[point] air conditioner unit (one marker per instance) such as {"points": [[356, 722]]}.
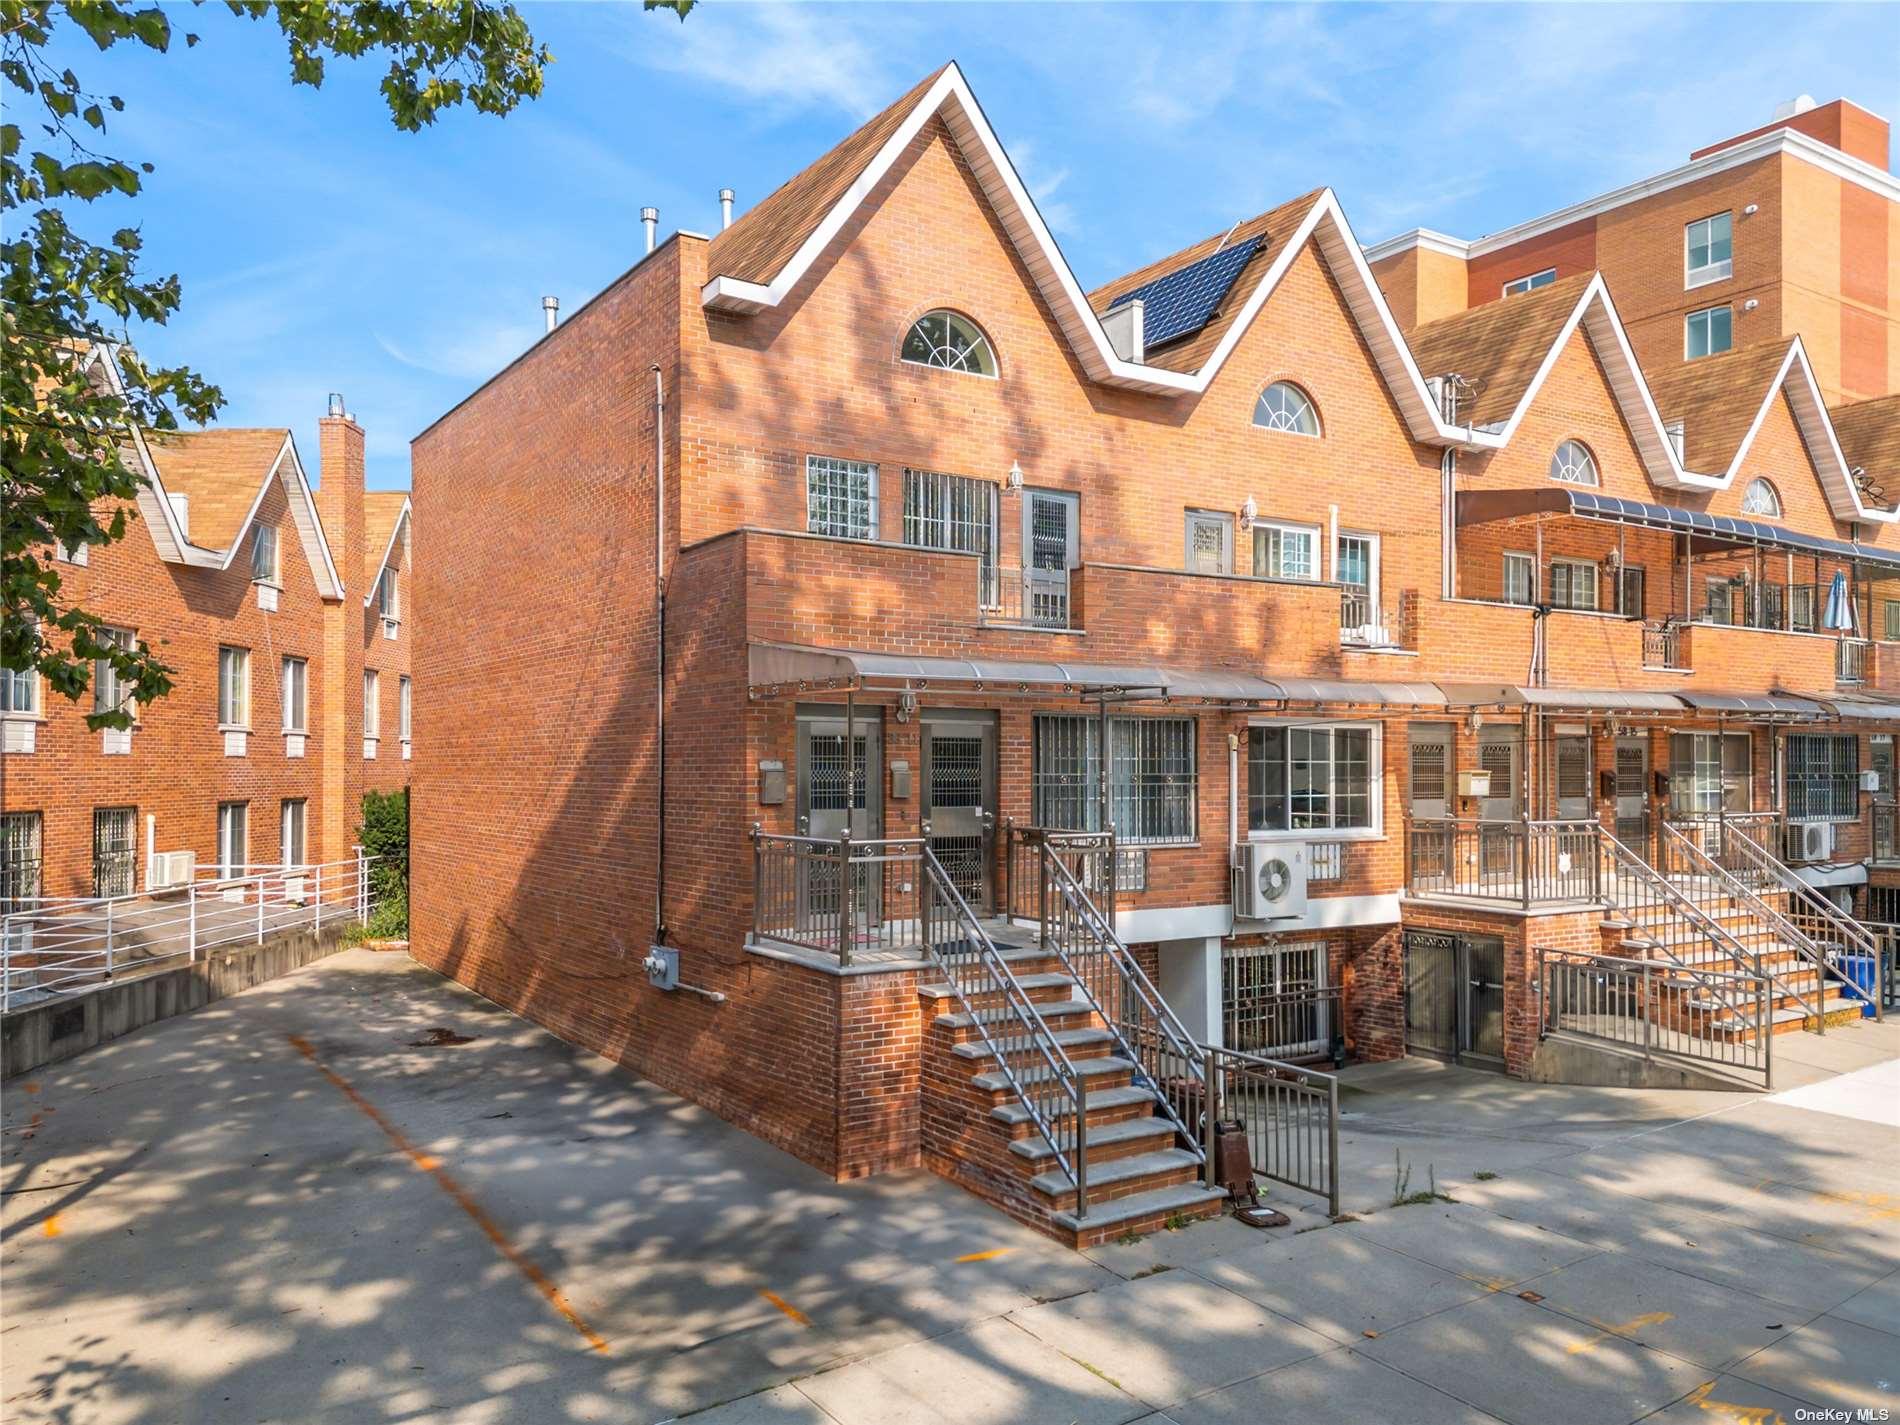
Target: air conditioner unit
{"points": [[1870, 781], [1810, 840], [171, 868], [1270, 880]]}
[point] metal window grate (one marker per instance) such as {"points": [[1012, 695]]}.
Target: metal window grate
{"points": [[951, 512], [1328, 861], [114, 847], [840, 497], [19, 859], [827, 773], [1153, 777], [956, 771], [1272, 998], [1823, 776]]}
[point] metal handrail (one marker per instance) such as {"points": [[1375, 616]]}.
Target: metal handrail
{"points": [[1852, 933]]}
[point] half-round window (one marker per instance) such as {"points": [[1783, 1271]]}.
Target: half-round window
{"points": [[1760, 499], [1573, 464], [1284, 406], [950, 341]]}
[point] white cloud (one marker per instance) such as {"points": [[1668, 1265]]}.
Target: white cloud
{"points": [[473, 353], [784, 57], [1042, 184]]}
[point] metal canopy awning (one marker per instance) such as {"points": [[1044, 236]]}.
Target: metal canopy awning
{"points": [[1508, 695], [1778, 703], [1706, 531], [1863, 707], [790, 667]]}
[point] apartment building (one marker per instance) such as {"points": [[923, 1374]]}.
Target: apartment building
{"points": [[945, 706], [250, 585], [1789, 230]]}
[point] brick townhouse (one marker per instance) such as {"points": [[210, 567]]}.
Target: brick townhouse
{"points": [[938, 702], [251, 586]]}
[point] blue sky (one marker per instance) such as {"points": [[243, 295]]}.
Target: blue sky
{"points": [[322, 250]]}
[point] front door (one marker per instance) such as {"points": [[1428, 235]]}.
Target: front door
{"points": [[1051, 548], [834, 796], [1570, 757], [959, 801], [1632, 794], [1499, 753], [1454, 997]]}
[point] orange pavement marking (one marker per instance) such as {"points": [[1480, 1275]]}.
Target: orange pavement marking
{"points": [[785, 1306], [1607, 1329], [427, 1164], [52, 1226], [985, 1256], [1751, 1414]]}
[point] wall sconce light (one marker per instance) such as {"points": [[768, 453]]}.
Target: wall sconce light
{"points": [[1751, 304], [1751, 210], [1013, 482], [1474, 722], [1249, 512]]}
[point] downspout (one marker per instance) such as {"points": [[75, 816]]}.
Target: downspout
{"points": [[659, 662], [1448, 539]]}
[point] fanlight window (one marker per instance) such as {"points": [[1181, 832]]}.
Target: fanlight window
{"points": [[1573, 464], [950, 341], [1760, 499], [1284, 406]]}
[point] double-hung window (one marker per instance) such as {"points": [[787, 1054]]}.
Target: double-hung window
{"points": [[1573, 584], [1707, 250], [957, 512], [20, 690], [1152, 776], [291, 826], [109, 693], [402, 706], [1708, 332], [234, 838], [1311, 778], [264, 552], [296, 701], [372, 699], [840, 497], [1520, 579], [1285, 551], [1823, 776], [234, 687]]}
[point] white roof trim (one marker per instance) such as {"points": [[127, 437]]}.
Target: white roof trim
{"points": [[395, 532], [1776, 141], [288, 467]]}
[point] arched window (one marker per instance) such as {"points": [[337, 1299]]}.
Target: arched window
{"points": [[1760, 499], [1573, 464], [950, 341], [1284, 406]]}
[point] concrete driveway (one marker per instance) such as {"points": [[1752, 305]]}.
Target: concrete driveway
{"points": [[290, 1207]]}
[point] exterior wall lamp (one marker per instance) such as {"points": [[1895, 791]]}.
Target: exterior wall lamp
{"points": [[1249, 512]]}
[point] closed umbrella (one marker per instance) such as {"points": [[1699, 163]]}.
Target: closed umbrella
{"points": [[1840, 611]]}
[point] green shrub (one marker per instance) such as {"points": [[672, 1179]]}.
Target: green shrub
{"points": [[384, 836]]}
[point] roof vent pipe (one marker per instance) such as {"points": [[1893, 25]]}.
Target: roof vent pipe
{"points": [[651, 217], [551, 309], [336, 403], [726, 195]]}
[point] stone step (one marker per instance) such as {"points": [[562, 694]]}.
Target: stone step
{"points": [[1067, 1038], [1182, 1197], [1051, 981], [1100, 1135], [1055, 1183], [1103, 1099], [1039, 1072], [1048, 1009]]}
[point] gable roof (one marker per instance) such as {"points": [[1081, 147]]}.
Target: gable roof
{"points": [[1869, 436], [1498, 346], [1718, 399], [385, 513], [220, 472]]}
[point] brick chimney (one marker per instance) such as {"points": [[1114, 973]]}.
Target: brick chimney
{"points": [[340, 506]]}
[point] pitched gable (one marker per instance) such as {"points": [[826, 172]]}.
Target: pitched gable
{"points": [[1499, 347]]}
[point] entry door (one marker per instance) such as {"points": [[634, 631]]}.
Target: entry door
{"points": [[1482, 1004], [1432, 771], [1051, 548], [1500, 754], [1632, 794], [1570, 757], [1454, 996], [959, 800], [831, 799]]}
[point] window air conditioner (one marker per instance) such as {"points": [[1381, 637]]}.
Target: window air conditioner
{"points": [[1270, 880], [1810, 840], [171, 868]]}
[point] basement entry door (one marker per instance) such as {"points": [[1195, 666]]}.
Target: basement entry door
{"points": [[1454, 997]]}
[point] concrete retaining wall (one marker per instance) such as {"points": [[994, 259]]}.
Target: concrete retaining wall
{"points": [[1560, 1059], [59, 1028]]}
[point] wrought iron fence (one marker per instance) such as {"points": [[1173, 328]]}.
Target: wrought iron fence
{"points": [[1038, 598], [844, 896], [1850, 661], [1724, 1018], [1520, 862], [1290, 1115], [1297, 1023]]}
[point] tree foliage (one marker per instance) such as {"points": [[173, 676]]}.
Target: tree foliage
{"points": [[70, 298]]}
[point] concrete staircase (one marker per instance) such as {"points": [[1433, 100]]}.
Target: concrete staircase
{"points": [[977, 1132]]}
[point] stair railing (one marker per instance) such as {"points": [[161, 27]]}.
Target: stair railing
{"points": [[1147, 1032], [1030, 1058], [1851, 936], [1633, 884]]}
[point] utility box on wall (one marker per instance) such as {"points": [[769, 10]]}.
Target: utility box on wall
{"points": [[900, 780], [771, 783]]}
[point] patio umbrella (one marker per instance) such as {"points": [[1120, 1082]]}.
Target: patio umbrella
{"points": [[1840, 612]]}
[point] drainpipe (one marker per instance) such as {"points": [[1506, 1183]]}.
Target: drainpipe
{"points": [[659, 664], [1448, 538]]}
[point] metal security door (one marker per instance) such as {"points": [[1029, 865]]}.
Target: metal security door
{"points": [[1571, 760], [1051, 548], [832, 799], [959, 799], [1482, 1032], [1499, 848], [1431, 993], [1632, 794]]}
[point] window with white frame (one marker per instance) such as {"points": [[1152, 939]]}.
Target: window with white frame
{"points": [[1520, 579], [1760, 499], [840, 497], [1573, 584], [1152, 776], [264, 553], [1520, 285], [402, 706], [372, 699], [1285, 551], [1356, 566], [19, 691], [1823, 772], [1708, 332], [295, 694], [1285, 407], [956, 512], [234, 838], [1210, 542], [1311, 778], [1707, 250], [292, 817], [951, 341], [1573, 464], [19, 859], [234, 687], [109, 693], [75, 553], [388, 595]]}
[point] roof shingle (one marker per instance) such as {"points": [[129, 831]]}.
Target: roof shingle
{"points": [[1498, 346], [1716, 398], [1869, 433], [219, 472]]}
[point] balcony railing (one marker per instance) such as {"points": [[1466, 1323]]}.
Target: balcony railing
{"points": [[1850, 661], [1662, 645], [1520, 863], [838, 895], [1789, 608], [1025, 598]]}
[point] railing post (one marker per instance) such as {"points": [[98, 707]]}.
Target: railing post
{"points": [[926, 892], [847, 895], [1524, 860], [1009, 867], [1042, 891], [191, 921], [1332, 1144], [1209, 1084], [1649, 1026], [260, 909], [108, 940], [1081, 1147], [758, 879], [362, 885], [316, 900]]}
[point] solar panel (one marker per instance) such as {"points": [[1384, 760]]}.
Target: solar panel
{"points": [[1185, 300]]}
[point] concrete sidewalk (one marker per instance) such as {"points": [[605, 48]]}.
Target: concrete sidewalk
{"points": [[289, 1207]]}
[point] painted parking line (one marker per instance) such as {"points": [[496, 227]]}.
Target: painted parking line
{"points": [[458, 1194], [785, 1306]]}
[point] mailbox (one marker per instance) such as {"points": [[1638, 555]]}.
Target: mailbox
{"points": [[900, 780], [771, 783], [1474, 784]]}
